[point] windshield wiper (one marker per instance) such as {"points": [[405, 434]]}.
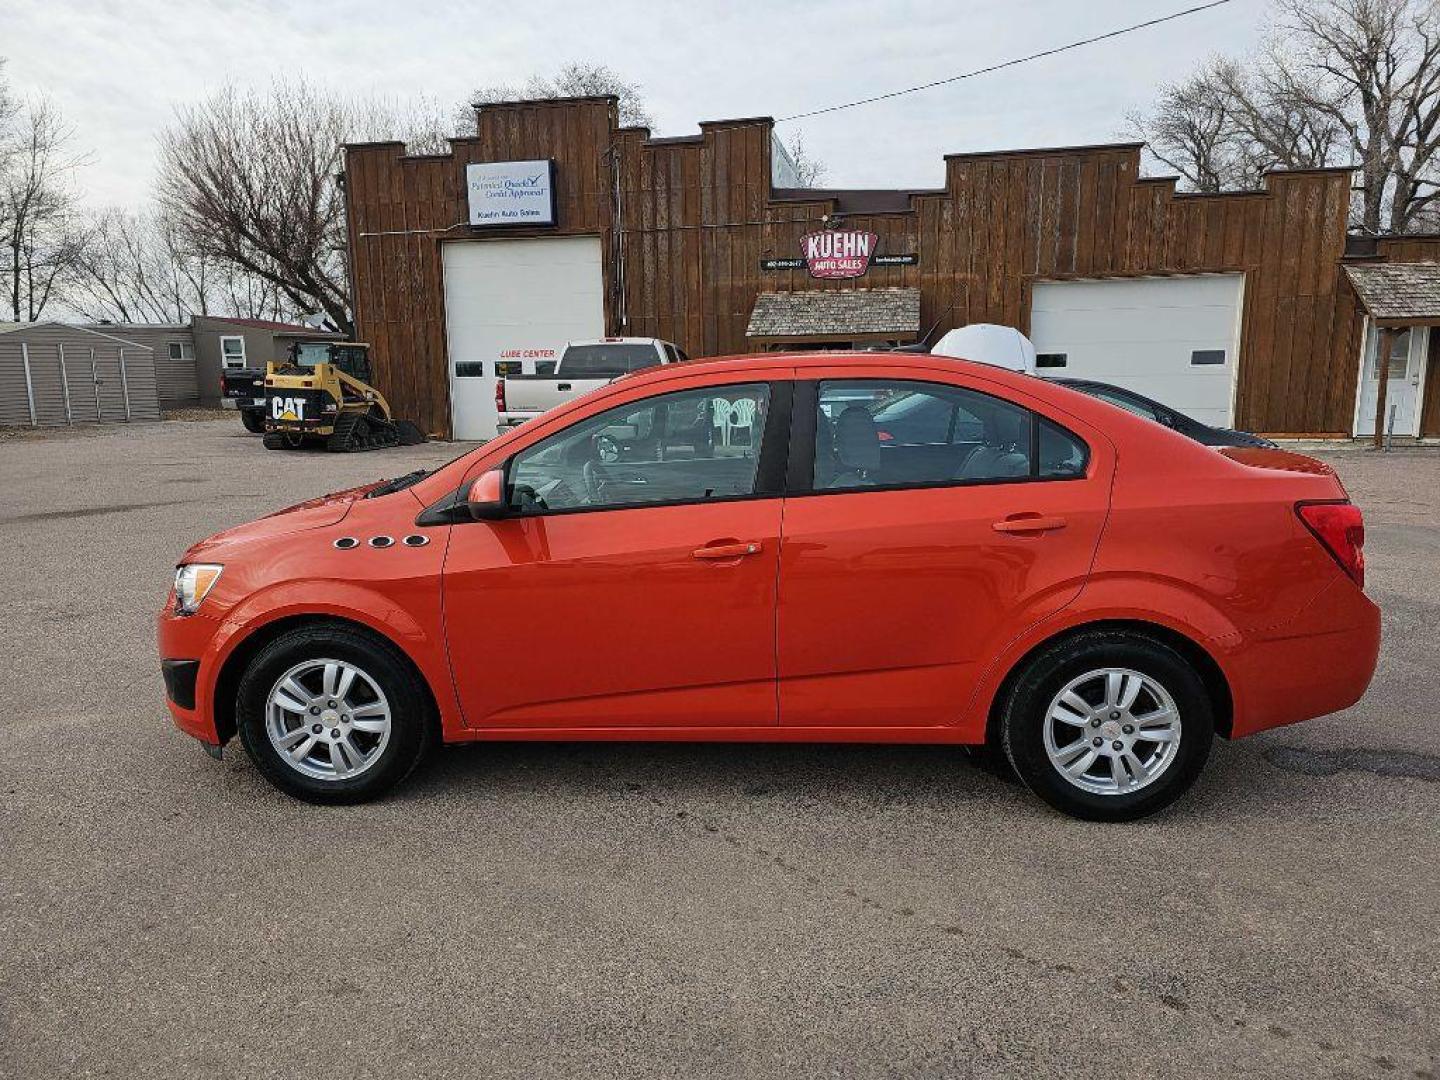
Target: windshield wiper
{"points": [[400, 483]]}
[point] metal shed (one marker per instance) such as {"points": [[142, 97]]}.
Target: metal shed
{"points": [[53, 374]]}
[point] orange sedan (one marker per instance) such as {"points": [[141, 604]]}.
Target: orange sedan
{"points": [[816, 548]]}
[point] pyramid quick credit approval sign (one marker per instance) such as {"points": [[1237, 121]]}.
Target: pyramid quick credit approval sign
{"points": [[511, 192]]}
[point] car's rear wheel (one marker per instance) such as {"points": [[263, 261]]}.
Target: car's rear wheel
{"points": [[332, 715], [254, 420], [1108, 725]]}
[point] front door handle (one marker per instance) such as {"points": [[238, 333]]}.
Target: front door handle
{"points": [[727, 550], [1025, 523]]}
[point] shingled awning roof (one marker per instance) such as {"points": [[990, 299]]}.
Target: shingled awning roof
{"points": [[836, 314], [1398, 294]]}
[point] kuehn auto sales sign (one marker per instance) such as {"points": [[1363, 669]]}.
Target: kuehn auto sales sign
{"points": [[511, 192], [838, 253]]}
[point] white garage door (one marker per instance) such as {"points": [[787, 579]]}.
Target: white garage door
{"points": [[1172, 339], [510, 305]]}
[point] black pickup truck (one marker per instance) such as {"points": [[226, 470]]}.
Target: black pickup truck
{"points": [[244, 389]]}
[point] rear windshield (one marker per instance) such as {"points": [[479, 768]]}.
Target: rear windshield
{"points": [[607, 359]]}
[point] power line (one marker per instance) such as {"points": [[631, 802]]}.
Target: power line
{"points": [[1004, 64]]}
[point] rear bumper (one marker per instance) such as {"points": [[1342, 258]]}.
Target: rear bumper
{"points": [[1320, 663]]}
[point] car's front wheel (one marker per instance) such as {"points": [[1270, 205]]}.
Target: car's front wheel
{"points": [[332, 715], [1108, 725]]}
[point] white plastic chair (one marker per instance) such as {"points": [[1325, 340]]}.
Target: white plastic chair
{"points": [[742, 415], [722, 411]]}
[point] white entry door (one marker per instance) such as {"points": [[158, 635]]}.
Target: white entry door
{"points": [[1402, 396], [1173, 339], [510, 307]]}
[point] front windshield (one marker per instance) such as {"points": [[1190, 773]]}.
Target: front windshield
{"points": [[310, 353]]}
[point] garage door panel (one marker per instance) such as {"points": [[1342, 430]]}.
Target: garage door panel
{"points": [[520, 300], [1136, 324], [1141, 333]]}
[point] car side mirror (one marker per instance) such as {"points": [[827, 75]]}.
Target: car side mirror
{"points": [[485, 498]]}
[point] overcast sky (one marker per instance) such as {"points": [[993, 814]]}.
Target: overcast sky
{"points": [[118, 68]]}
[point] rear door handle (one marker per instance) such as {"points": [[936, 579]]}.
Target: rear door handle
{"points": [[727, 551], [562, 386], [1031, 523]]}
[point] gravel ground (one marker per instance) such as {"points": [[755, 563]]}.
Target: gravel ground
{"points": [[664, 910]]}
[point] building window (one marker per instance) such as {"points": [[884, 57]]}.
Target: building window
{"points": [[1050, 359], [232, 352], [182, 350], [1208, 356]]}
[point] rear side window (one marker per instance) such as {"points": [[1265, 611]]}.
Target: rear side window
{"points": [[901, 433], [1061, 454]]}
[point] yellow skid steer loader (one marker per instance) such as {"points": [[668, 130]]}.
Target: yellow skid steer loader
{"points": [[322, 394]]}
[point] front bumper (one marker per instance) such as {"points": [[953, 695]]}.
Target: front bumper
{"points": [[180, 677], [181, 638]]}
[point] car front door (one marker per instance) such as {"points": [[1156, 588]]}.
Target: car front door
{"points": [[930, 524], [632, 584]]}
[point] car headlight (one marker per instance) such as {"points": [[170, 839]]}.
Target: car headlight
{"points": [[192, 582]]}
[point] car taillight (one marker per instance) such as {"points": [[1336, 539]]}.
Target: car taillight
{"points": [[499, 395], [1341, 528]]}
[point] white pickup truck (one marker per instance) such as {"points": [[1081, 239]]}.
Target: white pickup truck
{"points": [[584, 366]]}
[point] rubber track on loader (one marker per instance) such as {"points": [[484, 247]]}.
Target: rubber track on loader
{"points": [[355, 432]]}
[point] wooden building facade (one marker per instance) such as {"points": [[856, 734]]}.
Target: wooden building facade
{"points": [[690, 231]]}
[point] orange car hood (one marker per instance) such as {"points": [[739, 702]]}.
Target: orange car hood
{"points": [[311, 514]]}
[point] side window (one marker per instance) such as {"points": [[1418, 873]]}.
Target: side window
{"points": [[688, 446], [884, 433], [1128, 404], [1061, 454]]}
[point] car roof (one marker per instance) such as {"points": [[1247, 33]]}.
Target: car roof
{"points": [[618, 341]]}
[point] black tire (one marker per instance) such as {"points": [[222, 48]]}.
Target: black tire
{"points": [[254, 421], [411, 724], [410, 435], [1026, 714]]}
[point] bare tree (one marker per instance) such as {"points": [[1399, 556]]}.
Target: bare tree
{"points": [[250, 180], [1335, 82], [577, 79], [138, 268], [41, 232], [810, 170]]}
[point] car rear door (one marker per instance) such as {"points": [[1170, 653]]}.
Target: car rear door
{"points": [[634, 585], [909, 560]]}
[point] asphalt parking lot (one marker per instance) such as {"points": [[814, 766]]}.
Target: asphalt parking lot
{"points": [[668, 910]]}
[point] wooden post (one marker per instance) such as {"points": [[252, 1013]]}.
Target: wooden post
{"points": [[1382, 372]]}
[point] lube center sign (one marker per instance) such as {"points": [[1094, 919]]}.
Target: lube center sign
{"points": [[511, 192]]}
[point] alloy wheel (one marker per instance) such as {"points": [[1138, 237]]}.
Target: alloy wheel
{"points": [[1112, 731], [328, 719]]}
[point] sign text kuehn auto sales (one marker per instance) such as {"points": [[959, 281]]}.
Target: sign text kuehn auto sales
{"points": [[838, 253]]}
